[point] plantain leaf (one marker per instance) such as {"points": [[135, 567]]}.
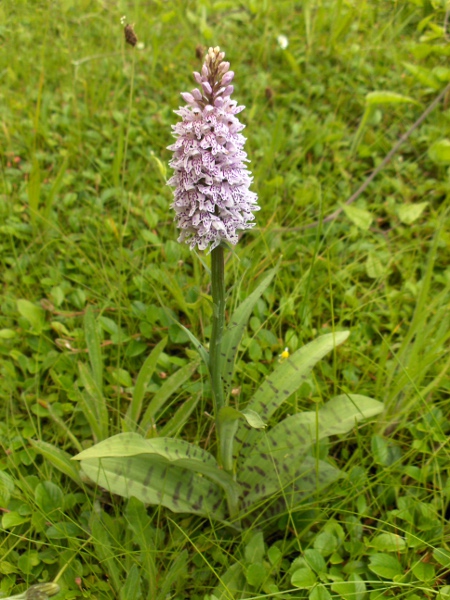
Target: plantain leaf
{"points": [[233, 334], [142, 381], [174, 473], [276, 460], [283, 382]]}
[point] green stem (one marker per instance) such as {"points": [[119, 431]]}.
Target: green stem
{"points": [[218, 323]]}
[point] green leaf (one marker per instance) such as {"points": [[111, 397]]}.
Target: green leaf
{"points": [[34, 189], [144, 536], [424, 571], [179, 419], [255, 549], [12, 519], [105, 548], [94, 402], [303, 578], [374, 267], [439, 153], [275, 459], [315, 560], [291, 373], [48, 496], [6, 488], [385, 566], [442, 556], [132, 588], [238, 322], [326, 543], [320, 592], [358, 216], [197, 345], [143, 379], [41, 591], [64, 531], [7, 334], [282, 383], [408, 213], [34, 314], [444, 593], [253, 419], [424, 76], [380, 450], [171, 385], [296, 480], [388, 98], [353, 589], [256, 574], [174, 575], [93, 345], [231, 583], [166, 471], [387, 542], [59, 459], [56, 186]]}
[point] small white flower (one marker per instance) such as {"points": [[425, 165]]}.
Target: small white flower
{"points": [[283, 42], [123, 20], [140, 45]]}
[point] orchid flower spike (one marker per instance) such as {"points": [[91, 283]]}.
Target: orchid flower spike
{"points": [[212, 199]]}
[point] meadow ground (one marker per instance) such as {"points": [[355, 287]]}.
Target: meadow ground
{"points": [[85, 221]]}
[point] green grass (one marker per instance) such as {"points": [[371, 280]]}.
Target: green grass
{"points": [[85, 221]]}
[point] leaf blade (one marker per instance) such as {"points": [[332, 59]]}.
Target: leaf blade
{"points": [[145, 374], [236, 327], [93, 345]]}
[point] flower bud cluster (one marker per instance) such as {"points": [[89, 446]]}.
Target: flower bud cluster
{"points": [[212, 199]]}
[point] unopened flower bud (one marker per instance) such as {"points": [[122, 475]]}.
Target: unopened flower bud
{"points": [[227, 78]]}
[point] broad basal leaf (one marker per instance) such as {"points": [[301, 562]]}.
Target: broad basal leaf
{"points": [[283, 382], [276, 460], [166, 471], [291, 373], [153, 480], [296, 480]]}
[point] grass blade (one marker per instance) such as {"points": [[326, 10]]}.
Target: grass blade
{"points": [[59, 459], [179, 419], [143, 379], [169, 387], [93, 346], [238, 322], [93, 399], [34, 190], [55, 189]]}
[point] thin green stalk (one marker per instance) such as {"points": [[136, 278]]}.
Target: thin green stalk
{"points": [[218, 323]]}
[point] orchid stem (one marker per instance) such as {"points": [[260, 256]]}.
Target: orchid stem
{"points": [[218, 323]]}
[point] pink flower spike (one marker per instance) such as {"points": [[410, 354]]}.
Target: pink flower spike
{"points": [[212, 197]]}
